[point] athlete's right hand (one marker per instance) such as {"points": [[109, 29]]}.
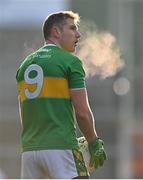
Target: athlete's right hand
{"points": [[97, 153]]}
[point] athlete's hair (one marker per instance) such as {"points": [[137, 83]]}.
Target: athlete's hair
{"points": [[58, 19]]}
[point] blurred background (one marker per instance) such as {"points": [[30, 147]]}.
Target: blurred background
{"points": [[116, 101]]}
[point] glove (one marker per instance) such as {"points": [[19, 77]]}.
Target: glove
{"points": [[97, 153]]}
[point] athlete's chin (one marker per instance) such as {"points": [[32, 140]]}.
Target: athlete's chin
{"points": [[71, 49]]}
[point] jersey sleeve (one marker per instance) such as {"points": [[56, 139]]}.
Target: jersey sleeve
{"points": [[17, 74], [76, 75]]}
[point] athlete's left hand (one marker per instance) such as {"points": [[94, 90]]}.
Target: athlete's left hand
{"points": [[97, 152]]}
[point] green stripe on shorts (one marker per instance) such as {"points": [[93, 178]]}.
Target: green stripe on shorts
{"points": [[80, 164]]}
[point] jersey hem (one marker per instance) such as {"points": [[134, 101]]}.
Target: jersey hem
{"points": [[24, 149], [77, 88]]}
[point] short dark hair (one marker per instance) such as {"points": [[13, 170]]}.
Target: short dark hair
{"points": [[58, 19]]}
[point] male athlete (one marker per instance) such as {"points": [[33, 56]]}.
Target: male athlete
{"points": [[52, 96]]}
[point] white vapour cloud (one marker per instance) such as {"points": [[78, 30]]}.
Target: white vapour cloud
{"points": [[99, 51]]}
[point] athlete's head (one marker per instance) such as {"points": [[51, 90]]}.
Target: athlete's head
{"points": [[62, 29]]}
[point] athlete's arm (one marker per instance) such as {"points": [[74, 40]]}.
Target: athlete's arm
{"points": [[83, 112], [86, 124]]}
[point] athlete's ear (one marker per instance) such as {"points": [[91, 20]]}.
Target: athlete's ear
{"points": [[56, 31]]}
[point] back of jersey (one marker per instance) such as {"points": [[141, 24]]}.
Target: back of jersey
{"points": [[46, 110]]}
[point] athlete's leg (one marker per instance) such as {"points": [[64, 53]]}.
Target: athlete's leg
{"points": [[29, 166], [62, 164]]}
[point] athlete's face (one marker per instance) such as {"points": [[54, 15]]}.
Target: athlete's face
{"points": [[69, 35]]}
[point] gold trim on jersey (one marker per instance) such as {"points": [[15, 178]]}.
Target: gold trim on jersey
{"points": [[52, 87]]}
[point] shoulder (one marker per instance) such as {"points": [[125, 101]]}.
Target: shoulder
{"points": [[69, 57], [28, 59], [23, 65]]}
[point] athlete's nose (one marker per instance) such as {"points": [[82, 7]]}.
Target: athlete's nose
{"points": [[78, 34]]}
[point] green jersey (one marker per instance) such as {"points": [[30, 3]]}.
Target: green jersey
{"points": [[44, 80]]}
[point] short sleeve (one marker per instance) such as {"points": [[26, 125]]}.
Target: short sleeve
{"points": [[76, 75], [17, 74]]}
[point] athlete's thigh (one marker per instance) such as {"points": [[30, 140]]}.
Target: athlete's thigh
{"points": [[63, 164], [29, 166]]}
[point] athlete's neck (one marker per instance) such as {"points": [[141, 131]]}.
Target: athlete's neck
{"points": [[50, 41]]}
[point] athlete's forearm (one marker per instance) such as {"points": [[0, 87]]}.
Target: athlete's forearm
{"points": [[87, 126]]}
